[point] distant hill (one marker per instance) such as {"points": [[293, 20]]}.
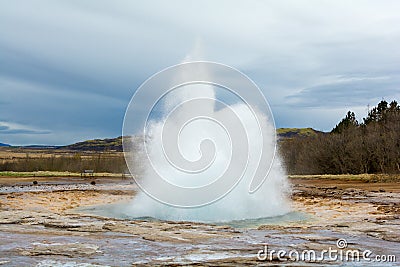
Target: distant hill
{"points": [[1, 144], [284, 133], [39, 146], [97, 145], [115, 144]]}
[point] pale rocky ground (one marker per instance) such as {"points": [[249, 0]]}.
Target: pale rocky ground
{"points": [[41, 226]]}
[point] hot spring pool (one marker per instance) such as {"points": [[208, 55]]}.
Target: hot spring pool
{"points": [[117, 211]]}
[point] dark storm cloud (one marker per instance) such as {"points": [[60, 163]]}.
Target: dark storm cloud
{"points": [[69, 68], [358, 91]]}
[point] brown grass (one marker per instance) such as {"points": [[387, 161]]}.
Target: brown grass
{"points": [[368, 178], [34, 160]]}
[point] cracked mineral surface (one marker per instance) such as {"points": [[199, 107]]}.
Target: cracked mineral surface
{"points": [[52, 225]]}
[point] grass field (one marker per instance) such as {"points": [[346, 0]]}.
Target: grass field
{"points": [[58, 160], [368, 178], [58, 174]]}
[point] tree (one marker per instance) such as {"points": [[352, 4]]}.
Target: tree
{"points": [[369, 147], [347, 122], [377, 114]]}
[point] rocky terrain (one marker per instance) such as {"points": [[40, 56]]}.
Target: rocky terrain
{"points": [[44, 225]]}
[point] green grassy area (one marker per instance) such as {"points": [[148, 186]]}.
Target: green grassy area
{"points": [[373, 178], [55, 174], [296, 132], [367, 178]]}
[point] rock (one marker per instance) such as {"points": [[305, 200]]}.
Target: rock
{"points": [[63, 249], [169, 231], [341, 225], [15, 217]]}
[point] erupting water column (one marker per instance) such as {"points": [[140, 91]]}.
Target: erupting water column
{"points": [[200, 140]]}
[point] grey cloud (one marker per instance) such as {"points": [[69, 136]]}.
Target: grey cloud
{"points": [[12, 128], [23, 131], [357, 91], [72, 66]]}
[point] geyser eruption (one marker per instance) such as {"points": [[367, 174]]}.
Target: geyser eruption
{"points": [[207, 147]]}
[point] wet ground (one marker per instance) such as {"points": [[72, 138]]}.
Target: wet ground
{"points": [[57, 223]]}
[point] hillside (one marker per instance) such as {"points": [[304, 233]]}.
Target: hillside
{"points": [[109, 144], [1, 144], [296, 132], [115, 144]]}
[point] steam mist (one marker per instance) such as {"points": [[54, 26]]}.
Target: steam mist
{"points": [[238, 204]]}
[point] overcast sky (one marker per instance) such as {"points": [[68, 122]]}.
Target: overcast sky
{"points": [[69, 68]]}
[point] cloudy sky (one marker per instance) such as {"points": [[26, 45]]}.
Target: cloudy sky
{"points": [[69, 68]]}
